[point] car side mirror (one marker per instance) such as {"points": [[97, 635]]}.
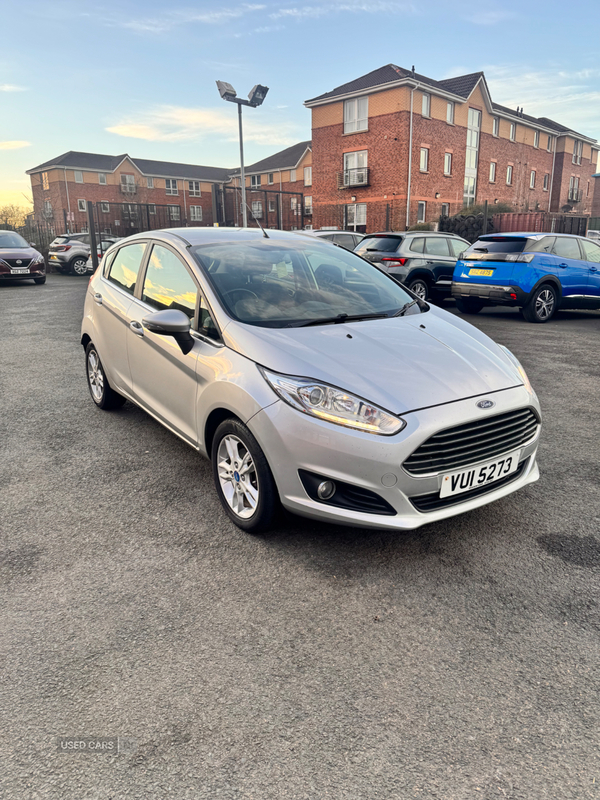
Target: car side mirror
{"points": [[32, 244], [171, 322]]}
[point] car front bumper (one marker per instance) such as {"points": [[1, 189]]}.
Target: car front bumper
{"points": [[294, 441], [493, 295], [37, 271]]}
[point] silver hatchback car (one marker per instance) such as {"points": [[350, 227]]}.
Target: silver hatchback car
{"points": [[310, 378]]}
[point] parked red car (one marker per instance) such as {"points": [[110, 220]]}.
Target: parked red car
{"points": [[20, 260]]}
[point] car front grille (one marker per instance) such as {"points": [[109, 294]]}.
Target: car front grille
{"points": [[12, 262], [475, 441]]}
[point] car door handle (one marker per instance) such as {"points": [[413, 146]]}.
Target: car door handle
{"points": [[98, 298], [136, 327], [563, 266], [593, 269]]}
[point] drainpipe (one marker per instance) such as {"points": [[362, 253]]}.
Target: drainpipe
{"points": [[184, 201], [68, 201], [552, 175], [410, 149]]}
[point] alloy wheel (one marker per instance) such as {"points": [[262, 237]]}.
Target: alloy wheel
{"points": [[420, 289], [544, 304], [237, 476], [95, 376], [80, 266]]}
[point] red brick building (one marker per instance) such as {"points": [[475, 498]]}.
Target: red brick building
{"points": [[393, 148]]}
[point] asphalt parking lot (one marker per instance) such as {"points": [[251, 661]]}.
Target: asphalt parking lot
{"points": [[457, 661]]}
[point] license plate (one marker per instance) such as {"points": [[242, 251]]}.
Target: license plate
{"points": [[486, 272], [475, 477], [23, 271]]}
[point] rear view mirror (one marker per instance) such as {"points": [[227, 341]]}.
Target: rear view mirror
{"points": [[171, 322]]}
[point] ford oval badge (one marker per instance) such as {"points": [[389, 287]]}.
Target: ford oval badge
{"points": [[486, 404]]}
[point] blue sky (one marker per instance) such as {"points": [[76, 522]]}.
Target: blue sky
{"points": [[139, 77]]}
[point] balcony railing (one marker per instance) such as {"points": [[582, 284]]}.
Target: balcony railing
{"points": [[308, 209], [575, 195], [353, 177]]}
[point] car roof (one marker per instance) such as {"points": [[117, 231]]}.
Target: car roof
{"points": [[529, 235], [412, 233], [197, 236]]}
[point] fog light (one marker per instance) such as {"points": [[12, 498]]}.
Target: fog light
{"points": [[326, 490]]}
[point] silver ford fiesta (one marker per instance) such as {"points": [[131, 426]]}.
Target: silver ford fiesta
{"points": [[311, 379]]}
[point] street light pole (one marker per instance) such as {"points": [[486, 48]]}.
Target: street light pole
{"points": [[243, 176]]}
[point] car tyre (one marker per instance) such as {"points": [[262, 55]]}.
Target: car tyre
{"points": [[40, 281], [468, 305], [79, 266], [103, 395], [420, 287], [243, 478], [542, 304]]}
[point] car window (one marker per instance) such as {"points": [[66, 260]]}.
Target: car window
{"points": [[457, 247], [126, 265], [436, 245], [566, 248], [345, 239], [416, 244], [543, 245], [168, 284], [591, 251], [387, 244], [9, 239]]}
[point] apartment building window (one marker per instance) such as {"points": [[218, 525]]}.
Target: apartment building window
{"points": [[574, 189], [308, 205], [493, 172], [78, 176], [293, 203], [152, 208], [47, 209], [447, 163], [450, 113], [471, 156], [546, 181], [509, 175], [532, 179], [424, 162], [356, 115], [171, 188], [421, 210], [549, 147], [173, 212], [355, 168], [102, 178], [536, 139], [128, 184], [150, 183], [196, 213], [426, 105], [255, 182], [194, 189], [356, 216], [577, 152], [81, 206], [445, 209], [308, 176], [496, 126], [270, 178], [292, 175], [257, 209], [271, 205], [45, 181], [513, 131], [587, 191], [105, 208]]}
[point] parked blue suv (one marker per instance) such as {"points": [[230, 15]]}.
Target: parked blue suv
{"points": [[538, 272]]}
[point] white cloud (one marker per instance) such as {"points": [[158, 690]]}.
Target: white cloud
{"points": [[14, 145], [353, 7], [177, 18], [568, 97], [177, 123], [11, 87]]}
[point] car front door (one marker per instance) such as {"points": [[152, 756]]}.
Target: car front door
{"points": [[439, 259], [164, 379], [572, 271], [591, 252]]}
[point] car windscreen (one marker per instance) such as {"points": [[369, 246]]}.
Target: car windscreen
{"points": [[275, 284], [385, 244], [9, 239], [498, 248]]}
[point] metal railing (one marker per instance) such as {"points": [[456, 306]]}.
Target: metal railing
{"points": [[575, 195], [353, 177]]}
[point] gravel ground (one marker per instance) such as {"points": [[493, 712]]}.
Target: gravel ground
{"points": [[457, 661]]}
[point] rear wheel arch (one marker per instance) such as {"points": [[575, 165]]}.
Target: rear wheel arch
{"points": [[553, 281]]}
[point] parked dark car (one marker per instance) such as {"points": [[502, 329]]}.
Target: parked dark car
{"points": [[424, 261], [347, 239], [70, 252], [19, 260]]}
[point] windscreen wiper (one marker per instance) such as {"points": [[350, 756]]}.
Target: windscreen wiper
{"points": [[336, 320], [402, 311]]}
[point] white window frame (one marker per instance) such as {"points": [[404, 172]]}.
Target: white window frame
{"points": [[421, 211], [196, 213], [271, 207], [128, 182], [532, 179], [513, 132], [292, 176], [102, 178], [546, 181], [496, 126], [270, 178], [509, 174], [426, 105], [257, 209], [47, 207], [45, 182], [255, 181], [77, 172], [152, 208], [447, 163], [81, 205], [174, 212], [536, 139], [105, 208], [171, 187], [192, 191], [450, 113], [359, 212], [150, 183], [445, 209], [549, 146], [424, 159], [308, 176], [356, 115], [308, 203], [492, 172]]}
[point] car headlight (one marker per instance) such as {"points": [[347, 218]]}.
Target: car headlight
{"points": [[519, 367], [332, 404], [38, 259]]}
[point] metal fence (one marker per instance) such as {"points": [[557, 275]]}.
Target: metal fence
{"points": [[285, 211]]}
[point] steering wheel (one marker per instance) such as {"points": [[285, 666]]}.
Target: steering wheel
{"points": [[236, 291]]}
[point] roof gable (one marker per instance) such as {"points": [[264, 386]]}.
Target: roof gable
{"points": [[284, 159]]}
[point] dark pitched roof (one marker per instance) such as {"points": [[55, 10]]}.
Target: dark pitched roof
{"points": [[514, 113], [283, 160], [103, 163], [463, 85]]}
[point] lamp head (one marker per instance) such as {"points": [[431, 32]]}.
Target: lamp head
{"points": [[226, 90], [257, 95]]}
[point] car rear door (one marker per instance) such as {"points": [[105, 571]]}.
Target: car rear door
{"points": [[591, 252], [572, 270], [439, 259]]}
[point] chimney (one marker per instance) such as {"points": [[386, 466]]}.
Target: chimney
{"points": [[413, 71]]}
